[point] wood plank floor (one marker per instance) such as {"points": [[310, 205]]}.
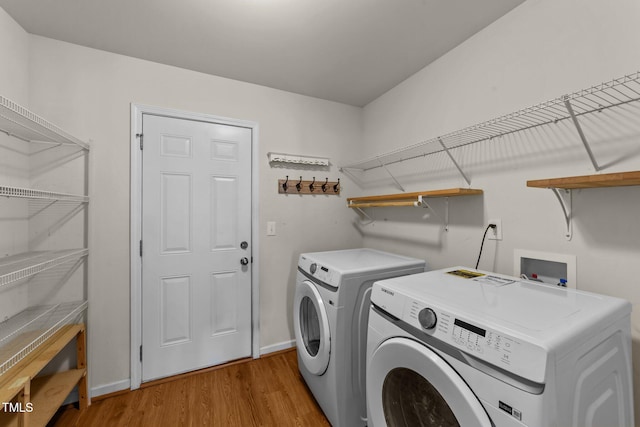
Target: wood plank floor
{"points": [[265, 392]]}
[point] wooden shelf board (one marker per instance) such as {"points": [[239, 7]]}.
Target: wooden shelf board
{"points": [[450, 192], [620, 179], [49, 393], [29, 367]]}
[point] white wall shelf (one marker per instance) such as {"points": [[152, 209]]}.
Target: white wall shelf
{"points": [[31, 334], [29, 193], [24, 332], [21, 123], [569, 107], [22, 266]]}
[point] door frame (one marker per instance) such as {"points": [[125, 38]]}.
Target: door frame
{"points": [[137, 110]]}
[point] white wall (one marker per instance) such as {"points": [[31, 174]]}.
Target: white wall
{"points": [[14, 159], [14, 48], [88, 92], [541, 50]]}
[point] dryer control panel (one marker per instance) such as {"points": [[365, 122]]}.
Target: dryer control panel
{"points": [[319, 271]]}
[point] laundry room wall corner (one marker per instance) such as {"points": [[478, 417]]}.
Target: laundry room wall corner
{"points": [[539, 51]]}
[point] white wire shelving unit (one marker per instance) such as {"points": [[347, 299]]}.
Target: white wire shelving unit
{"points": [[23, 333], [22, 266], [607, 95], [37, 327], [33, 194], [21, 123]]}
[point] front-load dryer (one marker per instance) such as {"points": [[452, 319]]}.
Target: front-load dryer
{"points": [[462, 347], [330, 316]]}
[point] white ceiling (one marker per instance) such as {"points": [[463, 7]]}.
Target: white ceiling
{"points": [[349, 51]]}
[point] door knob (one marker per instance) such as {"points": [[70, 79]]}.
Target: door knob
{"points": [[244, 261]]}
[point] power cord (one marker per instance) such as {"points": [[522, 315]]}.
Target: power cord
{"points": [[482, 244]]}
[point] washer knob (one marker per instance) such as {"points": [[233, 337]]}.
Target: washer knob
{"points": [[427, 318], [313, 268]]}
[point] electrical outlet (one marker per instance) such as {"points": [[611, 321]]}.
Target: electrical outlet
{"points": [[495, 233]]}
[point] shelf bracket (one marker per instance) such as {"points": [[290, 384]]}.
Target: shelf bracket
{"points": [[391, 175], [364, 214], [583, 138], [564, 197], [446, 150], [421, 202]]}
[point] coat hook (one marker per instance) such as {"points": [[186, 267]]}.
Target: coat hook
{"points": [[284, 184], [324, 186], [337, 186], [311, 186], [299, 184]]}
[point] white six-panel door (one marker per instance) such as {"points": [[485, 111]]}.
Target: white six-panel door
{"points": [[196, 245]]}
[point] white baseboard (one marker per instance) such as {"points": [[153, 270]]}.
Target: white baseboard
{"points": [[277, 347], [110, 388]]}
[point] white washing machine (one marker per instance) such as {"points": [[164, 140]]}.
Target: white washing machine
{"points": [[330, 314], [461, 347]]}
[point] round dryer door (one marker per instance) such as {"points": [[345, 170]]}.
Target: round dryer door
{"points": [[311, 325], [410, 385]]}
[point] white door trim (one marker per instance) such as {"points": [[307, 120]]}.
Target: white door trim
{"points": [[137, 110]]}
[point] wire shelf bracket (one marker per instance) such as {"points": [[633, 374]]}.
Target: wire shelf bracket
{"points": [[446, 150], [423, 203], [583, 138], [392, 177]]}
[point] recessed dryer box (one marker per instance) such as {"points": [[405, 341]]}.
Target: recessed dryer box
{"points": [[548, 267]]}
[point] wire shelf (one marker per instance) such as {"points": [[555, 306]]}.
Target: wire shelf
{"points": [[595, 99], [24, 332], [17, 121], [22, 266], [28, 193]]}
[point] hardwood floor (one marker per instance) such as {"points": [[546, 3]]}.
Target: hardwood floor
{"points": [[265, 392]]}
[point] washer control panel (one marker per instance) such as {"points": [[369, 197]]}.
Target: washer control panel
{"points": [[495, 347]]}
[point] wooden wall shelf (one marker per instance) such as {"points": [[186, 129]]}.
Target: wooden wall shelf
{"points": [[562, 187], [415, 199], [408, 199], [620, 179]]}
